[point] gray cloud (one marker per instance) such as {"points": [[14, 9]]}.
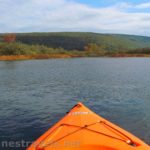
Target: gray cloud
{"points": [[66, 15]]}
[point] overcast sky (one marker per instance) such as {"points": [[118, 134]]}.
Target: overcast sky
{"points": [[102, 16]]}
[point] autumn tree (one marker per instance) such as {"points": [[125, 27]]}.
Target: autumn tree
{"points": [[9, 38], [93, 48]]}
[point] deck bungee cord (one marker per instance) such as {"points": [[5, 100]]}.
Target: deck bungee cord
{"points": [[129, 141], [92, 132]]}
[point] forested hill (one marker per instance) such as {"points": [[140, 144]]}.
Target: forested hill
{"points": [[78, 40]]}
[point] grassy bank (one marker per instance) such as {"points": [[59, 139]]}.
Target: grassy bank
{"points": [[20, 51], [26, 57], [48, 56]]}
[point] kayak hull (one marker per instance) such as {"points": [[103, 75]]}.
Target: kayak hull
{"points": [[82, 129]]}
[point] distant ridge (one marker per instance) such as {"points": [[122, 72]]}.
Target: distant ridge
{"points": [[78, 40]]}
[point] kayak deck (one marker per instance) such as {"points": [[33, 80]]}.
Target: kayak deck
{"points": [[82, 129]]}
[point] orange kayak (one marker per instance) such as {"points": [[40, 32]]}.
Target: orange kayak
{"points": [[82, 129]]}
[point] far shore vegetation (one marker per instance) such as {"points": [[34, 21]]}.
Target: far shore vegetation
{"points": [[11, 49]]}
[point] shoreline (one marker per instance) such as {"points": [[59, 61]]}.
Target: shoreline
{"points": [[28, 57], [49, 56]]}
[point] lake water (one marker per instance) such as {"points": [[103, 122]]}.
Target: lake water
{"points": [[35, 94]]}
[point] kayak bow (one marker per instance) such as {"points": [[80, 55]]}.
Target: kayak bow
{"points": [[82, 129]]}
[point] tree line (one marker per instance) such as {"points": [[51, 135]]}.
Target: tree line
{"points": [[10, 45]]}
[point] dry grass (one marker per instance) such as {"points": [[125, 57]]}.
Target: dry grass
{"points": [[129, 55], [41, 56], [47, 56]]}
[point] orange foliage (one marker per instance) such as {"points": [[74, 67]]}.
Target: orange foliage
{"points": [[9, 38]]}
